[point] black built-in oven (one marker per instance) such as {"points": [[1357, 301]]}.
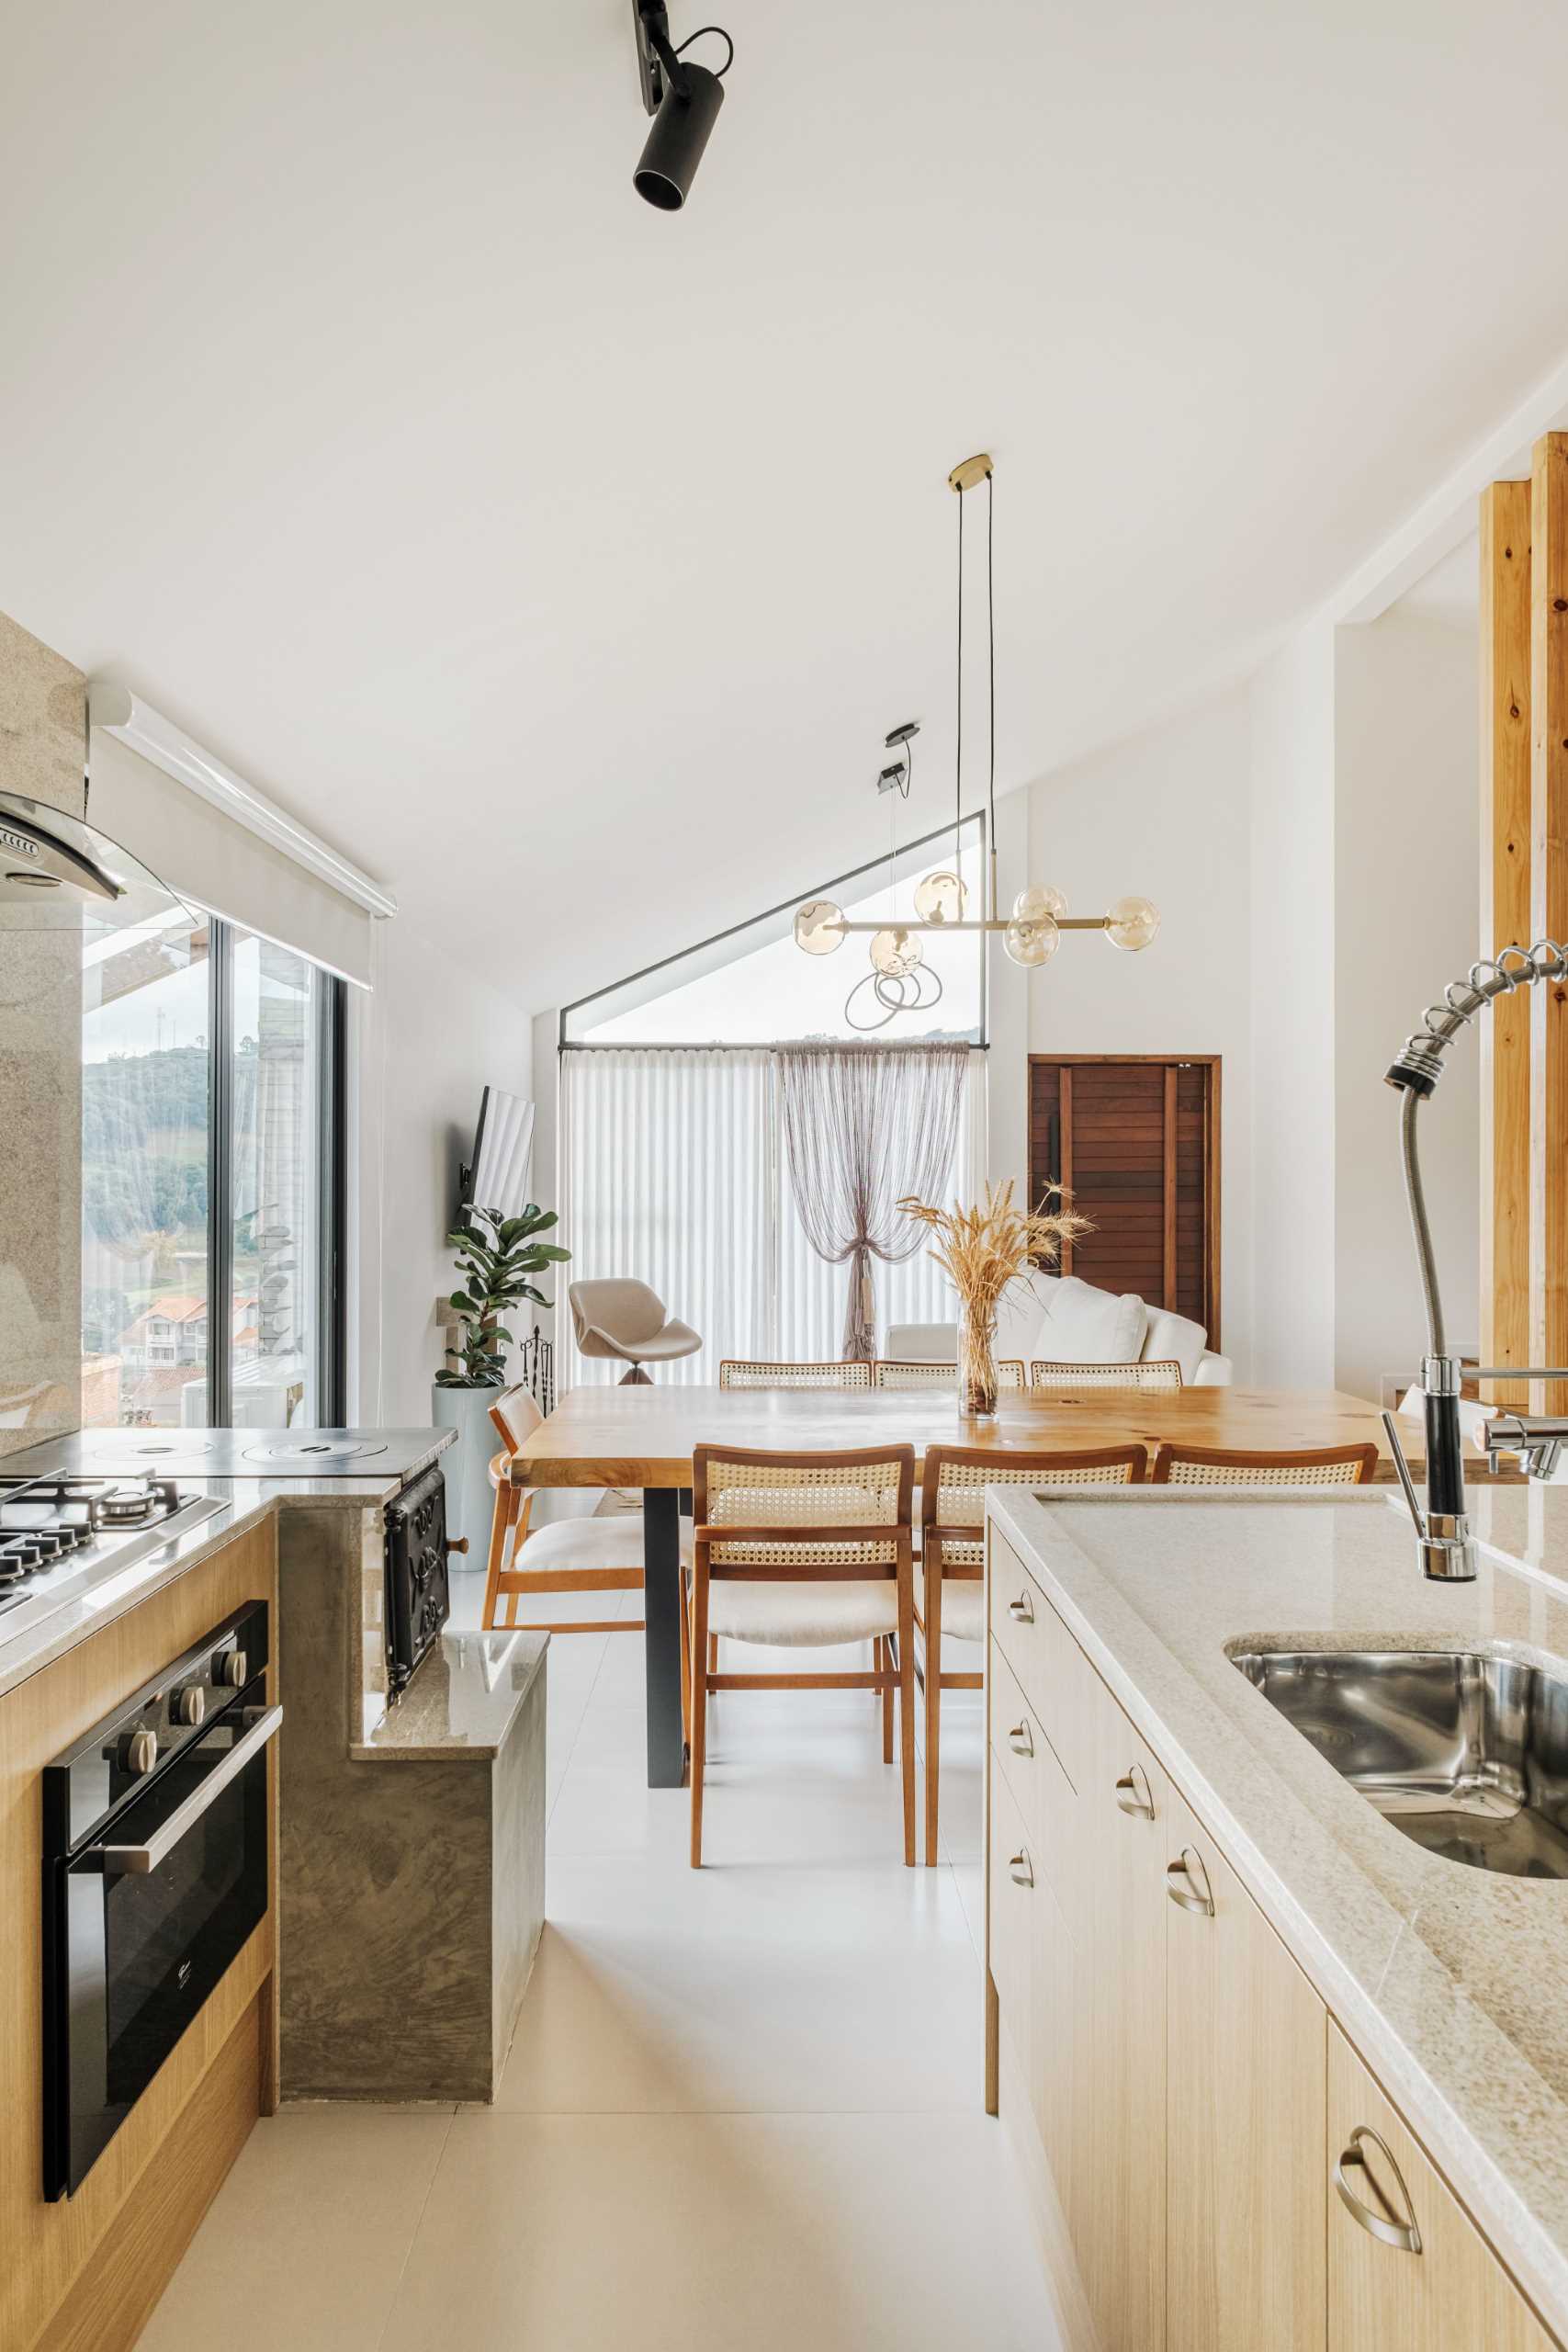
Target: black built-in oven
{"points": [[156, 1830]]}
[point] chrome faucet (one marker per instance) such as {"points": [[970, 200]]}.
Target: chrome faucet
{"points": [[1442, 1526]]}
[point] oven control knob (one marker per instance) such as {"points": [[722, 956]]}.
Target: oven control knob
{"points": [[140, 1752], [189, 1706], [229, 1669]]}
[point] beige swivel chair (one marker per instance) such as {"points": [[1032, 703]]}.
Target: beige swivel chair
{"points": [[626, 1321]]}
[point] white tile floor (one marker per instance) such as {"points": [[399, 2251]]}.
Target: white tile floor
{"points": [[743, 2106]]}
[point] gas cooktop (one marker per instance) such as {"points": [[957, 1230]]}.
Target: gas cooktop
{"points": [[61, 1534]]}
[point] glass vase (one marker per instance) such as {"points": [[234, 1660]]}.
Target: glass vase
{"points": [[977, 1366]]}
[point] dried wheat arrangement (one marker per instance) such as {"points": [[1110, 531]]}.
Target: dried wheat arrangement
{"points": [[982, 1250]]}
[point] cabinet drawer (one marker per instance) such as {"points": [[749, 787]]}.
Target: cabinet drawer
{"points": [[1245, 2034], [1440, 2287], [1009, 1918], [1050, 1668], [1026, 1760], [1017, 1608]]}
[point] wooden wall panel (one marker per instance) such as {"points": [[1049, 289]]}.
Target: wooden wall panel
{"points": [[1506, 921], [1134, 1140], [1549, 899]]}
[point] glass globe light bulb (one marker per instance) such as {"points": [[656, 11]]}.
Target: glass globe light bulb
{"points": [[1033, 944], [1132, 923], [941, 897], [1036, 901], [813, 926], [896, 952]]}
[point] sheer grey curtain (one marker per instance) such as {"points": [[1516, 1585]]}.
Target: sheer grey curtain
{"points": [[863, 1127]]}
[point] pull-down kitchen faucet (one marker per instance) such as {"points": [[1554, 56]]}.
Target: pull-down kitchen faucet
{"points": [[1442, 1527]]}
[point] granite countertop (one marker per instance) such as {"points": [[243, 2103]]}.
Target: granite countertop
{"points": [[1452, 1982], [213, 1463], [1525, 1524], [462, 1700], [318, 1465], [124, 1589]]}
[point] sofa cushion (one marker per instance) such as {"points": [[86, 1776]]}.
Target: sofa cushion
{"points": [[1082, 1325], [1176, 1336], [1021, 1313]]}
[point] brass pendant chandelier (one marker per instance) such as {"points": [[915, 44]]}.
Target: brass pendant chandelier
{"points": [[1032, 933]]}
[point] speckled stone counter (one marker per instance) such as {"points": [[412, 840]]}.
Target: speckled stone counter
{"points": [[1453, 1982]]}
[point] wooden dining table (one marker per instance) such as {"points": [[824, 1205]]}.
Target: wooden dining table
{"points": [[644, 1436]]}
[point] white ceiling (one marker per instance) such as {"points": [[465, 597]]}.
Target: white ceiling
{"points": [[564, 563]]}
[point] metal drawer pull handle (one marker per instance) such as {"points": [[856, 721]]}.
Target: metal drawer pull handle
{"points": [[1195, 1894], [1023, 1869], [1022, 1609], [1132, 1793], [1021, 1739], [139, 1859], [1405, 2236]]}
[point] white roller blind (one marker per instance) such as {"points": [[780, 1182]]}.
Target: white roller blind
{"points": [[670, 1179], [673, 1169], [221, 865]]}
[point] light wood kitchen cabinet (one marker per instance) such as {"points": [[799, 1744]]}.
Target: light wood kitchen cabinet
{"points": [[1197, 2105], [1115, 2198], [1011, 1878], [1423, 2279], [83, 2274], [1033, 1820], [1244, 2115]]}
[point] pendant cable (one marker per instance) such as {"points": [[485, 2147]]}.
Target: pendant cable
{"points": [[958, 747]]}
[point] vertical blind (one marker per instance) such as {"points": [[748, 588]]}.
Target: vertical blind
{"points": [[673, 1174]]}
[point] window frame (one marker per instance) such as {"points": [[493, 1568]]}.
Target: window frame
{"points": [[838, 883], [330, 1015]]}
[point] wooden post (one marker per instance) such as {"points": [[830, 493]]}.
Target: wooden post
{"points": [[1506, 921], [1549, 902]]}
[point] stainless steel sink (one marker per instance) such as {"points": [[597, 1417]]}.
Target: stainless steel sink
{"points": [[1466, 1753]]}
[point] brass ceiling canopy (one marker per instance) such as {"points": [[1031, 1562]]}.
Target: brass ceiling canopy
{"points": [[970, 473]]}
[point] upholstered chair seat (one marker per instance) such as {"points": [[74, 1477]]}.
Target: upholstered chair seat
{"points": [[820, 1556], [963, 1611], [627, 1321]]}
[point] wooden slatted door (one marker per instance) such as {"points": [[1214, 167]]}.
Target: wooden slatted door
{"points": [[1134, 1139]]}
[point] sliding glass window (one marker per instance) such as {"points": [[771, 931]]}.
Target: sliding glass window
{"points": [[212, 1141]]}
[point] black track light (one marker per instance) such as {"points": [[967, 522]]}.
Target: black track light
{"points": [[683, 100]]}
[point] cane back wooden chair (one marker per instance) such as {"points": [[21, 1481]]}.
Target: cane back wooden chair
{"points": [[1159, 1371], [737, 1371], [913, 1372], [802, 1551], [1329, 1466], [598, 1555], [952, 1544]]}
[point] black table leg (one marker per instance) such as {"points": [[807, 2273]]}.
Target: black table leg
{"points": [[662, 1615]]}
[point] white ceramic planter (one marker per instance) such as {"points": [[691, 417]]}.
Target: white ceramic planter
{"points": [[466, 1465]]}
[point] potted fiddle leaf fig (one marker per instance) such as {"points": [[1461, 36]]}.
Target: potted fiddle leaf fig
{"points": [[496, 1257]]}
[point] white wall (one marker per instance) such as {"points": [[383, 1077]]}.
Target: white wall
{"points": [[1009, 999], [546, 1185], [1284, 942], [428, 1041], [1311, 838], [1165, 815], [1407, 822]]}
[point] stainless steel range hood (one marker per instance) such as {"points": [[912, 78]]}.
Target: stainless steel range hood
{"points": [[59, 874]]}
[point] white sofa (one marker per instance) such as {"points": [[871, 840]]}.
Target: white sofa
{"points": [[1057, 1319]]}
